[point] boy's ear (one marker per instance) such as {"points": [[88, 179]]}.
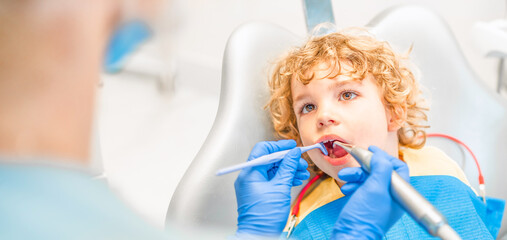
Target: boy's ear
{"points": [[395, 118]]}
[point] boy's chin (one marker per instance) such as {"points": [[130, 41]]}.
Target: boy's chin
{"points": [[337, 169], [334, 175], [332, 170], [339, 162]]}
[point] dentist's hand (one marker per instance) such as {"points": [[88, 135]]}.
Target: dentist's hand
{"points": [[263, 192], [370, 211]]}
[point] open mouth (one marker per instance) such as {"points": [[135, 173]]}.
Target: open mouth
{"points": [[334, 150]]}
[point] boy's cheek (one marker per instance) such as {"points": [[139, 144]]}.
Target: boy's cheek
{"points": [[304, 135]]}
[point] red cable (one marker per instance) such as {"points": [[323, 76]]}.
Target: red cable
{"points": [[481, 178], [295, 210]]}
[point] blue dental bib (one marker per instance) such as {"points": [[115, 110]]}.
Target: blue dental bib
{"points": [[464, 210]]}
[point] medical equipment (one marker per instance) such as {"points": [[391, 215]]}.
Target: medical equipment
{"points": [[268, 159], [490, 38], [241, 120], [414, 203], [317, 12], [482, 184]]}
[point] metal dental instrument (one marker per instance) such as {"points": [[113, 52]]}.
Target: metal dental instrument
{"points": [[410, 199], [268, 159]]}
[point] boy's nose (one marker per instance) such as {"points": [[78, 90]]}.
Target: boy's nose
{"points": [[326, 119]]}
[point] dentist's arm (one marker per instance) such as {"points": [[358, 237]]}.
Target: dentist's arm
{"points": [[370, 211], [263, 192]]}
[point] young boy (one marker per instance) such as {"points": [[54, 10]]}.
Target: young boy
{"points": [[354, 89]]}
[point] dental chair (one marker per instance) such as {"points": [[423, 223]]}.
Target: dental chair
{"points": [[461, 106]]}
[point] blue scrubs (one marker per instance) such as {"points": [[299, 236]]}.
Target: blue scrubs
{"points": [[465, 212], [48, 202]]}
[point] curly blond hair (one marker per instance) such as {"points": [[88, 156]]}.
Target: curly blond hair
{"points": [[367, 55]]}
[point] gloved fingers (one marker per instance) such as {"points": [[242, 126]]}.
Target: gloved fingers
{"points": [[267, 147], [273, 168], [399, 166], [260, 173], [352, 174], [252, 175], [350, 188], [378, 152], [303, 164], [301, 172], [369, 209], [302, 175], [296, 182], [288, 166], [381, 171]]}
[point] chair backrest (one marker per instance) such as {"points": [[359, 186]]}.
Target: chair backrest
{"points": [[202, 198], [461, 106]]}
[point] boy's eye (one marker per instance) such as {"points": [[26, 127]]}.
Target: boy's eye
{"points": [[347, 96], [308, 108]]}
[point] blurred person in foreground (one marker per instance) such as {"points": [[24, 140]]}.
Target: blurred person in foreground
{"points": [[51, 57]]}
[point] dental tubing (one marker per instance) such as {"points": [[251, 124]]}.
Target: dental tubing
{"points": [[482, 184]]}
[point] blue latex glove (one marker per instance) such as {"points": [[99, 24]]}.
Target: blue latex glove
{"points": [[263, 192], [370, 211]]}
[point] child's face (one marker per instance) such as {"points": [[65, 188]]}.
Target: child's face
{"points": [[342, 109]]}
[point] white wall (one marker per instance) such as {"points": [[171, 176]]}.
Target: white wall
{"points": [[204, 25]]}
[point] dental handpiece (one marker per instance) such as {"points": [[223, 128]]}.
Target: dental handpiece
{"points": [[422, 211]]}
